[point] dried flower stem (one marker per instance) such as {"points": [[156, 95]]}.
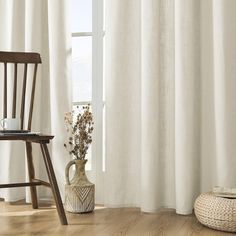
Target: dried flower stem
{"points": [[80, 128]]}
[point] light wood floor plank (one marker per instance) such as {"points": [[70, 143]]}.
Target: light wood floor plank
{"points": [[20, 219]]}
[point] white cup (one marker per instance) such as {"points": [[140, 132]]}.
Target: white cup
{"points": [[10, 123]]}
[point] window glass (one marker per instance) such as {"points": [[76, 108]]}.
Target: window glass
{"points": [[81, 15], [82, 68]]}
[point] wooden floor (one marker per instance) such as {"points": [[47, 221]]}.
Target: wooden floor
{"points": [[20, 219]]}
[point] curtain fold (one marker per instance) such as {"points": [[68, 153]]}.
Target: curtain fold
{"points": [[38, 26], [169, 94], [123, 106], [187, 102]]}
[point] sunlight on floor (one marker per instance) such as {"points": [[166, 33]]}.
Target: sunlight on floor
{"points": [[100, 207], [40, 210], [25, 213]]}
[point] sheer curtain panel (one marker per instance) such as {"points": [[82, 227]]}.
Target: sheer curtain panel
{"points": [[38, 26], [170, 101]]}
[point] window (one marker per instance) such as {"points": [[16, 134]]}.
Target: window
{"points": [[87, 71]]}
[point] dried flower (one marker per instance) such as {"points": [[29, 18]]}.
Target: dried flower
{"points": [[79, 127]]}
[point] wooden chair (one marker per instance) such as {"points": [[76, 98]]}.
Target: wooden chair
{"points": [[28, 59]]}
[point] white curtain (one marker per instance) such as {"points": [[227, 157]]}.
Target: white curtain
{"points": [[170, 101], [38, 26]]}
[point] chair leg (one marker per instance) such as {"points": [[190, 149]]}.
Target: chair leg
{"points": [[31, 172], [53, 182]]}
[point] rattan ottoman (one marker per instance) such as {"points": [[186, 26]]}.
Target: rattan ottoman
{"points": [[216, 212]]}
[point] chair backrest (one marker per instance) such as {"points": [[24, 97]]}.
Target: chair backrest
{"points": [[17, 58]]}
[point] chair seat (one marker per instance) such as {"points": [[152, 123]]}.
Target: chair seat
{"points": [[27, 137]]}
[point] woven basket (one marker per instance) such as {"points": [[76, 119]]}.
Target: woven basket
{"points": [[216, 212]]}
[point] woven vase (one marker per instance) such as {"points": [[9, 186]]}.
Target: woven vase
{"points": [[79, 191]]}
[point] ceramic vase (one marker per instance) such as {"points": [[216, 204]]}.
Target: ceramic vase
{"points": [[79, 191]]}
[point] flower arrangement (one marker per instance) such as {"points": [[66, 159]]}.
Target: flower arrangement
{"points": [[79, 127]]}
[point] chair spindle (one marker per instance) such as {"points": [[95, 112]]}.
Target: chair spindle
{"points": [[32, 97], [23, 96], [14, 92], [5, 91]]}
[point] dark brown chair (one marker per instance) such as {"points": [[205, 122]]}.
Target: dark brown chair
{"points": [[28, 59]]}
